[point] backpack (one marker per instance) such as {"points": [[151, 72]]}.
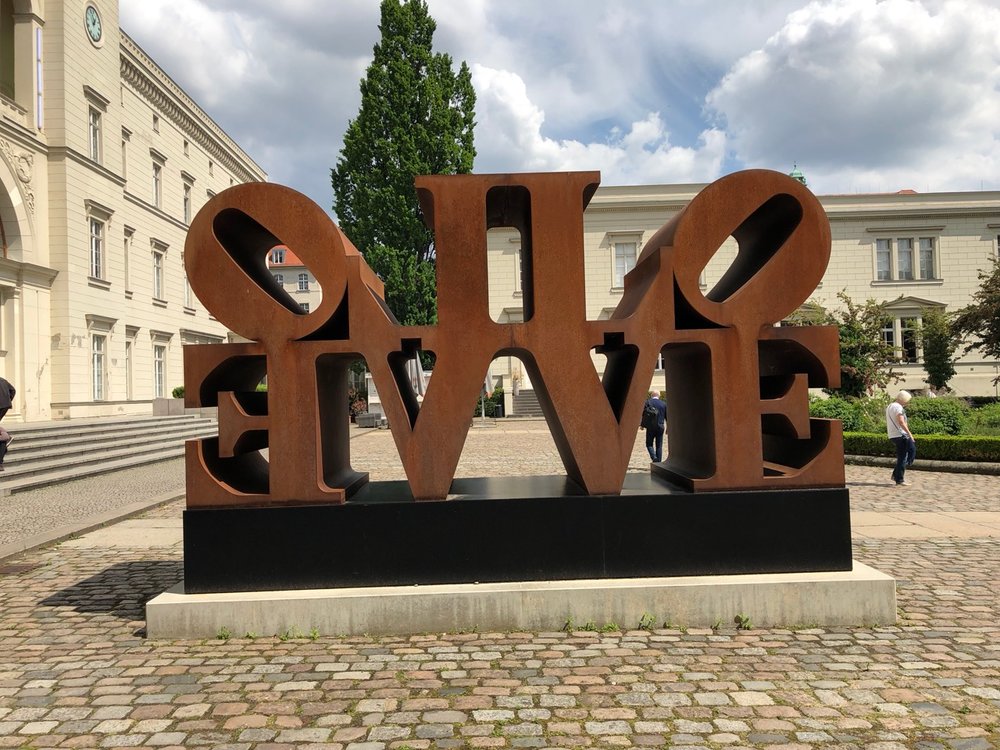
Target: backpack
{"points": [[650, 419]]}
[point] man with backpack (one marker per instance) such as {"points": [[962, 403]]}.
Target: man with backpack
{"points": [[654, 419]]}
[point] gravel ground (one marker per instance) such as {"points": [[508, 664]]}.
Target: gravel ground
{"points": [[26, 514]]}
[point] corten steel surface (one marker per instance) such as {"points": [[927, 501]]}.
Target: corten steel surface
{"points": [[735, 385]]}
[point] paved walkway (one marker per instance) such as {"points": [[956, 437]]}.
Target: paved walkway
{"points": [[76, 670]]}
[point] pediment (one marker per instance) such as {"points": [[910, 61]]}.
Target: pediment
{"points": [[910, 303]]}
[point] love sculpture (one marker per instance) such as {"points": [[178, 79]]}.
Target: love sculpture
{"points": [[735, 383]]}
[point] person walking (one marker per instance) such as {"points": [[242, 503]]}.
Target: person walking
{"points": [[654, 426], [6, 397], [899, 433], [7, 393]]}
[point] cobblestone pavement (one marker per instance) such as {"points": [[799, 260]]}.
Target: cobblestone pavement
{"points": [[76, 671]]}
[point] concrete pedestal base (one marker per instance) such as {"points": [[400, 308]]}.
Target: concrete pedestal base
{"points": [[862, 596]]}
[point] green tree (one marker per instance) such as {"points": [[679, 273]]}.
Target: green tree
{"points": [[417, 117], [981, 320], [939, 343], [865, 357]]}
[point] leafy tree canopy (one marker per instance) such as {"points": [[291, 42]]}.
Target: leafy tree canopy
{"points": [[865, 357], [980, 321], [417, 117]]}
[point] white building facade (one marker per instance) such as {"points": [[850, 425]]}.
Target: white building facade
{"points": [[912, 251], [104, 161]]}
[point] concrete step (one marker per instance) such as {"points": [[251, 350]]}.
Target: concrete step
{"points": [[52, 453], [40, 459], [525, 404], [56, 443], [98, 427]]}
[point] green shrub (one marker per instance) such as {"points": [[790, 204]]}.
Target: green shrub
{"points": [[492, 404], [872, 412], [929, 447], [984, 420], [846, 410], [178, 392], [946, 416], [857, 414]]}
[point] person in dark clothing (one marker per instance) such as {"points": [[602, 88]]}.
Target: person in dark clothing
{"points": [[6, 397], [7, 393], [654, 435]]}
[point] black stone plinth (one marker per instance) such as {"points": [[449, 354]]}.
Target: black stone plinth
{"points": [[516, 529]]}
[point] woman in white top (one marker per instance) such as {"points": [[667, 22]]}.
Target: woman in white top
{"points": [[900, 435]]}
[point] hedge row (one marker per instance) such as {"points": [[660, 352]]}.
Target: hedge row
{"points": [[929, 447]]}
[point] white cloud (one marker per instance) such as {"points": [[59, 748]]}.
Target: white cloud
{"points": [[863, 95], [872, 96], [514, 141]]}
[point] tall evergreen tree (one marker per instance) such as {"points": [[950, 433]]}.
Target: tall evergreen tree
{"points": [[417, 117], [939, 343]]}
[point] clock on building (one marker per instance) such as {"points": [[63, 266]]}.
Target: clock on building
{"points": [[92, 20]]}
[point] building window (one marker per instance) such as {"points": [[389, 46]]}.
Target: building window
{"points": [[157, 184], [278, 255], [279, 279], [624, 261], [303, 282], [96, 248], [159, 371], [908, 329], [186, 152], [883, 260], [156, 123], [906, 259], [211, 168], [159, 257], [927, 265], [304, 306], [518, 272], [128, 369], [127, 252], [95, 135], [188, 291], [902, 333], [187, 202], [124, 157], [97, 367], [7, 48], [889, 334]]}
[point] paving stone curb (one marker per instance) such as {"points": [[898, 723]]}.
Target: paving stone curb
{"points": [[953, 467]]}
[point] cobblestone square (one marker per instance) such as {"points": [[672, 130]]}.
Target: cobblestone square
{"points": [[76, 670]]}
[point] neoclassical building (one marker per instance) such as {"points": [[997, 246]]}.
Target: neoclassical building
{"points": [[104, 161], [913, 251]]}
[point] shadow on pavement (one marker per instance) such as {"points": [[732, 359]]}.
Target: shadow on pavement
{"points": [[122, 590]]}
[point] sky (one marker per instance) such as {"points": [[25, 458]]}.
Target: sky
{"points": [[862, 95]]}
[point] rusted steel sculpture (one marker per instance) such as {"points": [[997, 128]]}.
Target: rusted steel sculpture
{"points": [[735, 383]]}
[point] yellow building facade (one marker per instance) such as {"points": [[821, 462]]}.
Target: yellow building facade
{"points": [[104, 161]]}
